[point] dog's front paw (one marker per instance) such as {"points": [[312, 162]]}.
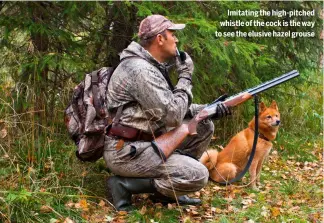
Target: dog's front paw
{"points": [[254, 187]]}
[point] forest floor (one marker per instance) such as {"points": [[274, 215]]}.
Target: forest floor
{"points": [[69, 191]]}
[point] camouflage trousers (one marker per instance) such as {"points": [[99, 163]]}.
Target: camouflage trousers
{"points": [[181, 174]]}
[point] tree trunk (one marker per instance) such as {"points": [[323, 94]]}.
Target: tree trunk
{"points": [[124, 25], [41, 43]]}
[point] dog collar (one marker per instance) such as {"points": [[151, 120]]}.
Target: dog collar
{"points": [[261, 136]]}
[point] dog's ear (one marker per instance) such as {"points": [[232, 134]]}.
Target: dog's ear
{"points": [[274, 105], [262, 107]]}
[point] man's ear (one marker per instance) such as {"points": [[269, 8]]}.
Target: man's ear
{"points": [[160, 39], [262, 107], [274, 105]]}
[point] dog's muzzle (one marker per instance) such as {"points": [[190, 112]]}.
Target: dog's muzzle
{"points": [[277, 123]]}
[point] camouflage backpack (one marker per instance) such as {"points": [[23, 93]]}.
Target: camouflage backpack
{"points": [[87, 117]]}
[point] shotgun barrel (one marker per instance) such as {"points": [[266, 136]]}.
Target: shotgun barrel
{"points": [[274, 82], [247, 94]]}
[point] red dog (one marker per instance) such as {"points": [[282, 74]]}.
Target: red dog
{"points": [[233, 158]]}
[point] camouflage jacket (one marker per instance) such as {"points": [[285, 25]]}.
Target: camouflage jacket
{"points": [[149, 101]]}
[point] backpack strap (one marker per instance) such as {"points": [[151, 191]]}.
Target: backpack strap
{"points": [[118, 114], [95, 91], [120, 108]]}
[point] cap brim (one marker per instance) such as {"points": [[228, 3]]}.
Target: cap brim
{"points": [[177, 27]]}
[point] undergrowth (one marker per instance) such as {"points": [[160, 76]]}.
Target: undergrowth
{"points": [[42, 181]]}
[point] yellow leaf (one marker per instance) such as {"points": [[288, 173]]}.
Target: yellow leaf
{"points": [[83, 204], [218, 210], [122, 212], [275, 211]]}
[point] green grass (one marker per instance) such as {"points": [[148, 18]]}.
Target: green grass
{"points": [[289, 188], [38, 167], [218, 202], [59, 179], [155, 215]]}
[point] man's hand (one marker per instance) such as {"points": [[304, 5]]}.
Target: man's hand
{"points": [[221, 111], [184, 68]]}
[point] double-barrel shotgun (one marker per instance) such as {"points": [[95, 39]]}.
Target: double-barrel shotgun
{"points": [[165, 144]]}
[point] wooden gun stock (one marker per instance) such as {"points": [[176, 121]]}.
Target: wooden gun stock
{"points": [[165, 144], [239, 99]]}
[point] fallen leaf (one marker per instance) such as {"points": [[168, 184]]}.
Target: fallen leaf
{"points": [[284, 176], [45, 209], [315, 217], [68, 220], [158, 205], [85, 216], [3, 133], [122, 213], [70, 204], [252, 195], [246, 202], [84, 205], [279, 203], [77, 205], [275, 212], [217, 188], [207, 216], [264, 213], [294, 209], [42, 190], [158, 215], [102, 203], [230, 208], [194, 213], [108, 218], [218, 210], [187, 220], [143, 210], [53, 220]]}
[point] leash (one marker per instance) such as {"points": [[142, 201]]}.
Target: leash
{"points": [[255, 141]]}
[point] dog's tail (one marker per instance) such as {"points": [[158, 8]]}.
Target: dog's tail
{"points": [[209, 158]]}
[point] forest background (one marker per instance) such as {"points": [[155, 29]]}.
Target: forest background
{"points": [[47, 47]]}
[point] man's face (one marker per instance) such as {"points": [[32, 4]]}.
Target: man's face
{"points": [[169, 46]]}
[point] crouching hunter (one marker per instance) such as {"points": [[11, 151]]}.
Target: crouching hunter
{"points": [[147, 105]]}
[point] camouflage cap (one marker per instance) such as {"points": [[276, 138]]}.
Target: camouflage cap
{"points": [[155, 24]]}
